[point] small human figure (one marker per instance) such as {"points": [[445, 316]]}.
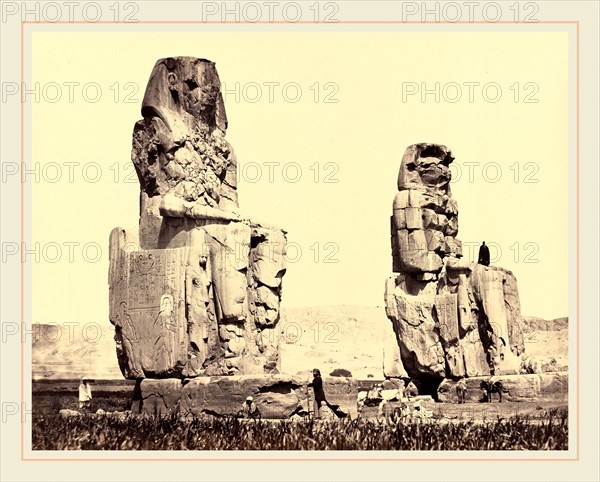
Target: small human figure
{"points": [[317, 385], [529, 365], [484, 255], [461, 390], [249, 409], [420, 412], [383, 411], [198, 296], [396, 416], [417, 413], [360, 405], [85, 393], [375, 392], [411, 390], [405, 411]]}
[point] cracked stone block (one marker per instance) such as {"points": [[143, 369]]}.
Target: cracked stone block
{"points": [[399, 219], [160, 397], [413, 218]]}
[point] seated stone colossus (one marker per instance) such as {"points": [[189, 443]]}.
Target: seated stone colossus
{"points": [[452, 318], [197, 290]]}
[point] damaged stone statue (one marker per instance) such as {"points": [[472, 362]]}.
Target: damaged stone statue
{"points": [[452, 318], [197, 290]]}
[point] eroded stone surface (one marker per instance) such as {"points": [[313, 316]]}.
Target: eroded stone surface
{"points": [[160, 397], [198, 291], [451, 318]]}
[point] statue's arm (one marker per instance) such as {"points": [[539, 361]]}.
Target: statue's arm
{"points": [[174, 207]]}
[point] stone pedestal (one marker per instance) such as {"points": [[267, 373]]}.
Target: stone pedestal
{"points": [[276, 396]]}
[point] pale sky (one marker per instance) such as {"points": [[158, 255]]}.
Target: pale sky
{"points": [[357, 141]]}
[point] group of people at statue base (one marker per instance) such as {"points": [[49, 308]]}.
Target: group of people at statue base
{"points": [[405, 412], [397, 404]]}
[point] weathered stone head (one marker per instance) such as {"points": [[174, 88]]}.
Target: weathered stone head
{"points": [[425, 166], [179, 150], [187, 88], [424, 224]]}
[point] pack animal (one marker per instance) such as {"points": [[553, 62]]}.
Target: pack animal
{"points": [[489, 387]]}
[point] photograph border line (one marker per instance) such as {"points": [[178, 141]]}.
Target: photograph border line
{"points": [[305, 459]]}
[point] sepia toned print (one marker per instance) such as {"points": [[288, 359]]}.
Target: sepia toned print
{"points": [[299, 240], [196, 296]]}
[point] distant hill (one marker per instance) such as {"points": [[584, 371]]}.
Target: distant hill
{"points": [[547, 339], [532, 323], [67, 352], [325, 337]]}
